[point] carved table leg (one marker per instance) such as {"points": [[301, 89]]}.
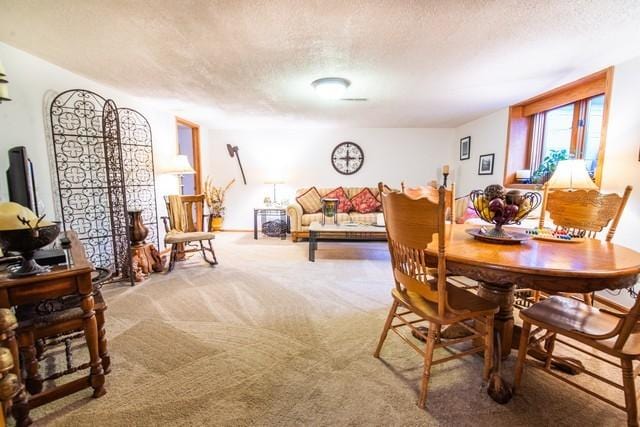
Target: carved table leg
{"points": [[33, 379], [504, 297], [96, 377], [102, 343]]}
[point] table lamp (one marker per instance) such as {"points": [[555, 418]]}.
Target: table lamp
{"points": [[571, 175], [274, 182], [180, 167]]}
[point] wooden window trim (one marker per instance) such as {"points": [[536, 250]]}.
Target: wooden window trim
{"points": [[519, 128], [195, 137]]}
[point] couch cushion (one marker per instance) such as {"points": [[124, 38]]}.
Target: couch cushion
{"points": [[307, 219], [367, 218], [311, 201], [365, 202], [344, 204]]}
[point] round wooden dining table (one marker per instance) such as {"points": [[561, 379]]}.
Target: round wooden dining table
{"points": [[582, 267]]}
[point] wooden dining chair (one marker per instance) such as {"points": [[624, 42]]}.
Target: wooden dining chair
{"points": [[418, 298], [608, 333], [583, 213], [185, 225]]}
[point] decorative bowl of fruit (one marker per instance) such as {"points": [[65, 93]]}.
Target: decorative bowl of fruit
{"points": [[499, 207]]}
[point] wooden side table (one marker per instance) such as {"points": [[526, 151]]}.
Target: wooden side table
{"points": [[273, 222], [60, 281]]}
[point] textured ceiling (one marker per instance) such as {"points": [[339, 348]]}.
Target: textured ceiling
{"points": [[250, 63]]}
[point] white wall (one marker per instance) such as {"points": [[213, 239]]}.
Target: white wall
{"points": [[488, 135], [22, 120], [301, 158], [621, 163]]}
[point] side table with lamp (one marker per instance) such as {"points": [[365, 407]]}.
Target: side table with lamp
{"points": [[272, 218]]}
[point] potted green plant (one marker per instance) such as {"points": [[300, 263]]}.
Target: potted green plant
{"points": [[548, 165], [214, 197]]}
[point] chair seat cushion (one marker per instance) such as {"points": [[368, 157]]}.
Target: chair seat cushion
{"points": [[571, 315], [29, 317], [459, 300], [178, 237]]}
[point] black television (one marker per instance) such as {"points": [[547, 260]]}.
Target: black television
{"points": [[20, 179]]}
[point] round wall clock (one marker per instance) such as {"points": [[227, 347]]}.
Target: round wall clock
{"points": [[347, 158]]}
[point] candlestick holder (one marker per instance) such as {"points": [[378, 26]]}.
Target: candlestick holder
{"points": [[445, 175]]}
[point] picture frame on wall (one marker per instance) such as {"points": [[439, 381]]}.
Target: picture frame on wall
{"points": [[465, 148], [485, 164]]}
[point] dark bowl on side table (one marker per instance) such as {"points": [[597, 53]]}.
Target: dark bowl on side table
{"points": [[26, 241]]}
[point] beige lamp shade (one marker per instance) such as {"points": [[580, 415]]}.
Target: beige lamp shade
{"points": [[4, 92], [571, 175], [2, 70], [180, 166]]}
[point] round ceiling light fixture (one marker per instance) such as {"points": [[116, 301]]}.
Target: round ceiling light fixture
{"points": [[331, 87]]}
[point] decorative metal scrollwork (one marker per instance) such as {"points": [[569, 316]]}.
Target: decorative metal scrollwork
{"points": [[103, 159], [137, 164], [115, 185]]}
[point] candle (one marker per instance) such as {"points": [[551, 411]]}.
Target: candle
{"points": [[445, 169]]}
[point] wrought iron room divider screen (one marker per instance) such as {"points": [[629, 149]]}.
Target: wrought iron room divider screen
{"points": [[104, 164]]}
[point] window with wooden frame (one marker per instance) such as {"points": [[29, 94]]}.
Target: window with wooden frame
{"points": [[572, 117]]}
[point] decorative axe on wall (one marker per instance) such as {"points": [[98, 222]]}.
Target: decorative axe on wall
{"points": [[233, 152]]}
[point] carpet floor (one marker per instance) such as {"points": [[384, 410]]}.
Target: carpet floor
{"points": [[268, 338]]}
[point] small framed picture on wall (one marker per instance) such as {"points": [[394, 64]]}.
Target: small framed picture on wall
{"points": [[465, 148], [485, 164]]}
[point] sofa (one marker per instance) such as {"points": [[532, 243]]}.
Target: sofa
{"points": [[463, 213], [300, 220]]}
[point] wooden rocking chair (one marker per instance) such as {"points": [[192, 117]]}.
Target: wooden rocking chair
{"points": [[186, 224]]}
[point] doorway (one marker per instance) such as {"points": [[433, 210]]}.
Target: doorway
{"points": [[189, 145]]}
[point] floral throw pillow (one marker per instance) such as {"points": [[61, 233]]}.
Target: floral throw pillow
{"points": [[365, 202], [344, 204], [310, 201]]}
